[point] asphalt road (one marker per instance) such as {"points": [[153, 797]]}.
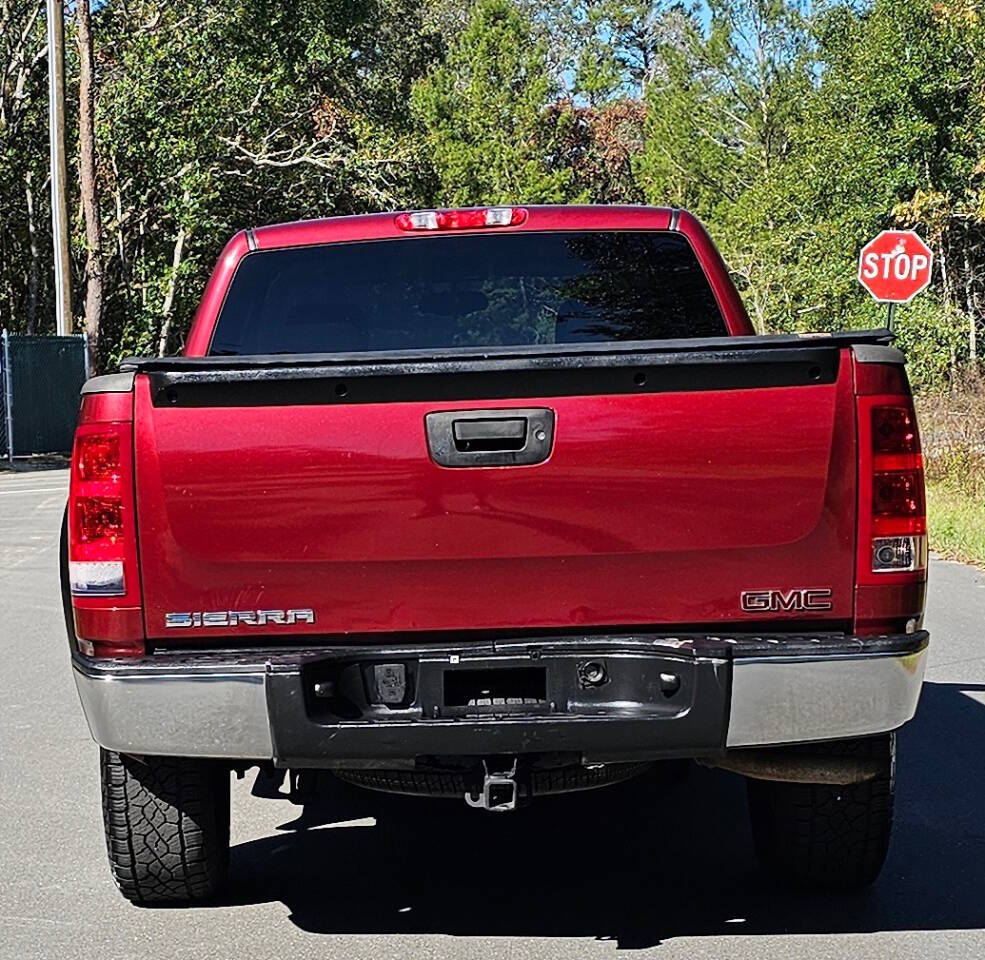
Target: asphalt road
{"points": [[662, 869]]}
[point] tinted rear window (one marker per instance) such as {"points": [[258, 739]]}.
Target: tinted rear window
{"points": [[467, 291]]}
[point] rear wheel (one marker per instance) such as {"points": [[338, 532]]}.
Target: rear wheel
{"points": [[826, 835], [167, 826]]}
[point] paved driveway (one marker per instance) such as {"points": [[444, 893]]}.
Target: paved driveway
{"points": [[663, 869]]}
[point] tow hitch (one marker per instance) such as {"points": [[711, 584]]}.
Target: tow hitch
{"points": [[499, 790]]}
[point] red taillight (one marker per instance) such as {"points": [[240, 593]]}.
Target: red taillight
{"points": [[99, 457], [894, 430], [102, 541], [898, 508], [897, 495], [892, 546], [470, 219], [99, 524]]}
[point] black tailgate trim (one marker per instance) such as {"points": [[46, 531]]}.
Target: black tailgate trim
{"points": [[500, 378], [530, 352]]}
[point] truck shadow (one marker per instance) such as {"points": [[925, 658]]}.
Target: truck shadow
{"points": [[636, 864]]}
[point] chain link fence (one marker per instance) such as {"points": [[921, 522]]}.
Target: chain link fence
{"points": [[40, 380]]}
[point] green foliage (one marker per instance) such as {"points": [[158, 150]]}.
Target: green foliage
{"points": [[225, 115], [798, 140], [483, 112], [721, 117], [215, 116], [892, 119], [933, 335], [25, 271], [795, 132]]}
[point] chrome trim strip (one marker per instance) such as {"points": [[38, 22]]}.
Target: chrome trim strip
{"points": [[825, 658], [109, 383], [792, 701]]}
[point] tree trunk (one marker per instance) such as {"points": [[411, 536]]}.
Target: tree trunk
{"points": [[179, 244], [970, 306], [143, 262], [121, 243], [89, 188], [34, 269]]}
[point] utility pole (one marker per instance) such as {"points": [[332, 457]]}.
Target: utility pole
{"points": [[56, 136]]}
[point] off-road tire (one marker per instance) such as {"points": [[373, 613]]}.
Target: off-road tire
{"points": [[167, 826], [823, 835]]}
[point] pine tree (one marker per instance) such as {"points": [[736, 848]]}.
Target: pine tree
{"points": [[483, 112]]}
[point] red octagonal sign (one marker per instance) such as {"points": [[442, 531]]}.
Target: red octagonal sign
{"points": [[895, 266]]}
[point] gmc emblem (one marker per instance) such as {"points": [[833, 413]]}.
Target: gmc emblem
{"points": [[775, 601]]}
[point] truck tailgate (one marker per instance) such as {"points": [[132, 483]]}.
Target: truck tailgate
{"points": [[666, 495]]}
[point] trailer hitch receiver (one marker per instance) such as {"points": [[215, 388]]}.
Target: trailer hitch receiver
{"points": [[499, 789]]}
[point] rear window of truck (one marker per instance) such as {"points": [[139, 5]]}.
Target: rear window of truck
{"points": [[467, 291]]}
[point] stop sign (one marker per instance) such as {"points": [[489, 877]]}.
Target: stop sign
{"points": [[895, 266]]}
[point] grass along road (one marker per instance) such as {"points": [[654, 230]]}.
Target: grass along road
{"points": [[957, 524]]}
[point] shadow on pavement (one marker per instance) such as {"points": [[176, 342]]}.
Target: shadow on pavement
{"points": [[636, 864]]}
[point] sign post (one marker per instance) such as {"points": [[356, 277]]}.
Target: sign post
{"points": [[894, 267]]}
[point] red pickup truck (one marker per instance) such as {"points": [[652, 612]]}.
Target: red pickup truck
{"points": [[490, 504]]}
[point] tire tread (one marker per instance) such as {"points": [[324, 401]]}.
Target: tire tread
{"points": [[825, 835], [167, 826]]}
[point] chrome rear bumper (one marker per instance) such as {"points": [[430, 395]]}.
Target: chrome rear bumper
{"points": [[790, 700], [151, 709], [742, 692]]}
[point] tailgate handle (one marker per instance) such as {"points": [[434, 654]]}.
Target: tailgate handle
{"points": [[490, 438], [475, 435]]}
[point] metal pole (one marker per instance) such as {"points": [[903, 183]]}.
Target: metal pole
{"points": [[8, 393], [85, 354], [891, 317], [56, 137]]}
